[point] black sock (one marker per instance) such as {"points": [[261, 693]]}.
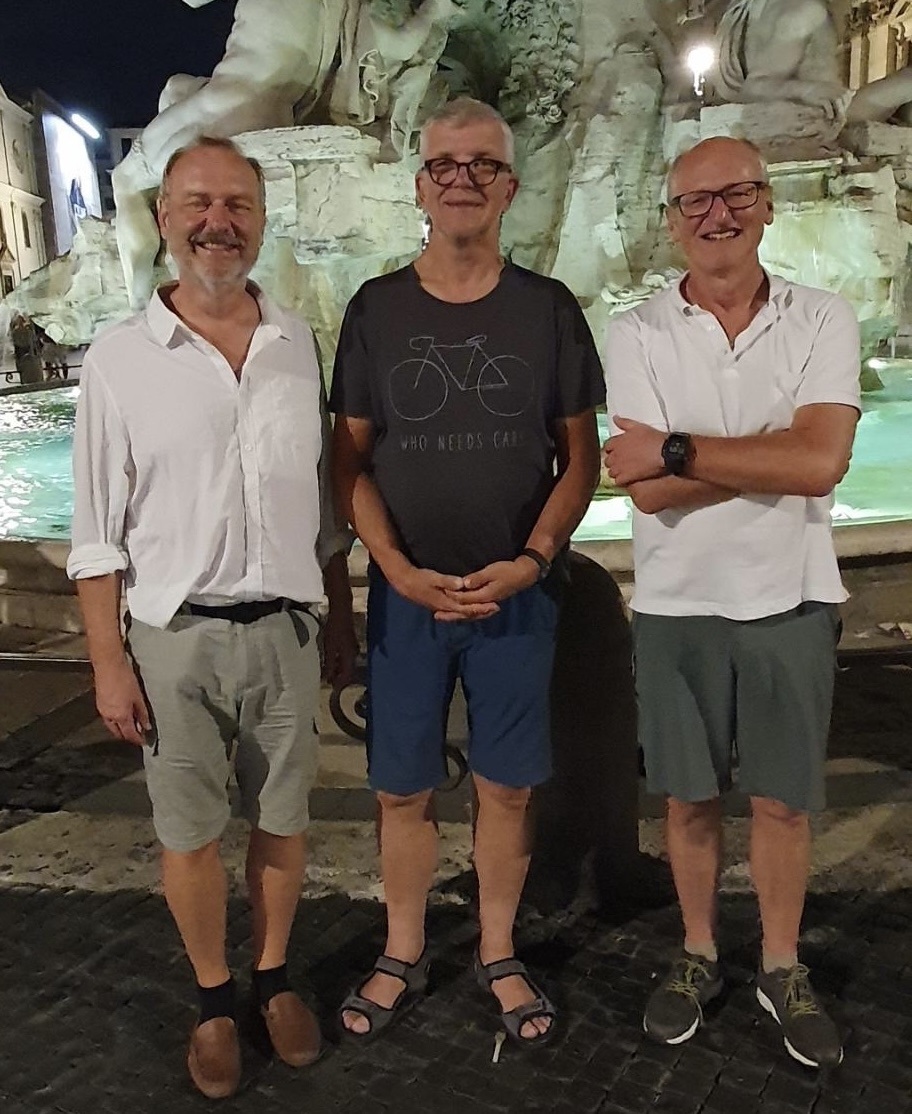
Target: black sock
{"points": [[268, 983], [216, 1001]]}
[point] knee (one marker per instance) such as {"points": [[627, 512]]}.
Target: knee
{"points": [[411, 805], [504, 798], [767, 811], [693, 814], [198, 857]]}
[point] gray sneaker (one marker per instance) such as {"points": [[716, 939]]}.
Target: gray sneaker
{"points": [[674, 1011], [809, 1034]]}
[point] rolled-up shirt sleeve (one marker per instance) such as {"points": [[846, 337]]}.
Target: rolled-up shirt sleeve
{"points": [[101, 474]]}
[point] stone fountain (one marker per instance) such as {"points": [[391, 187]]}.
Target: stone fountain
{"points": [[600, 101]]}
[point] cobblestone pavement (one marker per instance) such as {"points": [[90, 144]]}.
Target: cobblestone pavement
{"points": [[96, 1002]]}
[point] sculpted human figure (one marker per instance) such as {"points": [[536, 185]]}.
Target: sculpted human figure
{"points": [[888, 100], [780, 50], [278, 59]]}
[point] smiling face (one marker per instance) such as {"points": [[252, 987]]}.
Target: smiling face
{"points": [[463, 212], [723, 240], [212, 217]]}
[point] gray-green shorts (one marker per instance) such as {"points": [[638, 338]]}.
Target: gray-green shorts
{"points": [[717, 694], [211, 684]]}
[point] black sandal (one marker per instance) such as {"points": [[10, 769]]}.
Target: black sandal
{"points": [[380, 1018], [513, 1020]]}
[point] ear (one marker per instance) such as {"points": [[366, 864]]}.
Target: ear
{"points": [[770, 212], [161, 215], [512, 190], [419, 190], [671, 226]]}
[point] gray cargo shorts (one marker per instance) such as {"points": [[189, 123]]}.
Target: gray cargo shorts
{"points": [[224, 694], [716, 695]]}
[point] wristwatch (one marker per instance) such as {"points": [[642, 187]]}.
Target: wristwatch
{"points": [[677, 453], [544, 565]]}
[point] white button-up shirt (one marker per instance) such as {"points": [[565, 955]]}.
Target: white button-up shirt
{"points": [[670, 365], [196, 484]]}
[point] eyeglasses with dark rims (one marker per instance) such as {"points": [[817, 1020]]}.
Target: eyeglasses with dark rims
{"points": [[481, 172], [739, 195]]}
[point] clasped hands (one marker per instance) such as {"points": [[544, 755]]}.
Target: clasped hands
{"points": [[634, 454], [462, 598]]}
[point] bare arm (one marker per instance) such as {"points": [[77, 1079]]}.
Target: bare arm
{"points": [[809, 458], [578, 468], [359, 500], [339, 643], [118, 695], [676, 493]]}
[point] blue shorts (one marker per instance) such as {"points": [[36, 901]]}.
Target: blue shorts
{"points": [[414, 661]]}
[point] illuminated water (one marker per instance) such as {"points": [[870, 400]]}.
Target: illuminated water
{"points": [[36, 485], [36, 480]]}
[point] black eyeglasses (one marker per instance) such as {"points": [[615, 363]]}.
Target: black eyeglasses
{"points": [[481, 172], [739, 195]]}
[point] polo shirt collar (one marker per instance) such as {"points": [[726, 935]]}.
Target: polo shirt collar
{"points": [[168, 329], [779, 294]]}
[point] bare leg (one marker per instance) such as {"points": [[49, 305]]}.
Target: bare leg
{"points": [[503, 844], [780, 860], [196, 891], [693, 833], [408, 860], [275, 873]]}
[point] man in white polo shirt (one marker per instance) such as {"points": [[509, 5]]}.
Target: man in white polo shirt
{"points": [[201, 485], [735, 398]]}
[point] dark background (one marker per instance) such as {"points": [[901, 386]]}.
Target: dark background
{"points": [[108, 58]]}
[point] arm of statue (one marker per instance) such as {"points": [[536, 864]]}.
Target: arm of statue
{"points": [[798, 63]]}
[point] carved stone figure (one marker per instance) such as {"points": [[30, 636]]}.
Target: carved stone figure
{"points": [[888, 100], [780, 50], [279, 59]]}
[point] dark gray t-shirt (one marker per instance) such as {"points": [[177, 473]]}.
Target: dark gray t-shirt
{"points": [[463, 398]]}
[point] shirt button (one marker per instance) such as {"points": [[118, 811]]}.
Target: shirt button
{"points": [[248, 448]]}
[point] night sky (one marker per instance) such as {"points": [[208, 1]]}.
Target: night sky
{"points": [[108, 58]]}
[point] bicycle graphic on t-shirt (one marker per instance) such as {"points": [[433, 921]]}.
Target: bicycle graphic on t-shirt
{"points": [[420, 386]]}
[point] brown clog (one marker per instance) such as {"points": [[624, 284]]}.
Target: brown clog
{"points": [[214, 1059], [292, 1028]]}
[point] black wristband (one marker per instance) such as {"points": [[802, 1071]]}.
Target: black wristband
{"points": [[544, 565]]}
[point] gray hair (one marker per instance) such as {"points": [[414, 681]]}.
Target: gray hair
{"points": [[205, 141], [466, 110]]}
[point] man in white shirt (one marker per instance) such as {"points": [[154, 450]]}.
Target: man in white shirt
{"points": [[735, 397], [200, 477]]}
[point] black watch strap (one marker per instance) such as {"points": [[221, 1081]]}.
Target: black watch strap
{"points": [[677, 453], [544, 565]]}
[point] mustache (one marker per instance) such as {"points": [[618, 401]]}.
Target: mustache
{"points": [[219, 239]]}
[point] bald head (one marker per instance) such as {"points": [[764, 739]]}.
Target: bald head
{"points": [[723, 155]]}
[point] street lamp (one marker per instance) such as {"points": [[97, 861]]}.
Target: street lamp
{"points": [[84, 125], [700, 60]]}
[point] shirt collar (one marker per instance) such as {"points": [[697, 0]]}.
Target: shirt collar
{"points": [[779, 294], [168, 328]]}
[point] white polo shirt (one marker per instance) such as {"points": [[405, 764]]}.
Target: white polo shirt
{"points": [[669, 364], [197, 485]]}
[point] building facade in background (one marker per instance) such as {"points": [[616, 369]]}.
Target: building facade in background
{"points": [[22, 240]]}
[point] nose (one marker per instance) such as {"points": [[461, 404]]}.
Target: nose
{"points": [[720, 200], [218, 215]]}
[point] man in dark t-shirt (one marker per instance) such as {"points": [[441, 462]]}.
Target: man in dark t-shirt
{"points": [[466, 453]]}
